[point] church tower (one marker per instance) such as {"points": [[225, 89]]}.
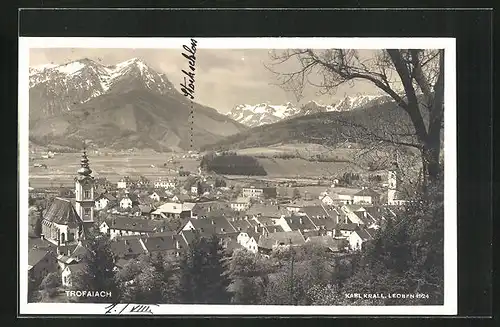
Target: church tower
{"points": [[391, 181], [84, 190]]}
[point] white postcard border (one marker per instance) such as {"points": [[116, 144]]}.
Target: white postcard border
{"points": [[450, 146]]}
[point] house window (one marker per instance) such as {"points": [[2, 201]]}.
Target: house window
{"points": [[86, 194], [86, 211]]}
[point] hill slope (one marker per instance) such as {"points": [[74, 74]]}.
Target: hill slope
{"points": [[327, 128], [125, 106]]}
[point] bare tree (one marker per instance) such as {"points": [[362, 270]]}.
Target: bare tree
{"points": [[413, 78]]}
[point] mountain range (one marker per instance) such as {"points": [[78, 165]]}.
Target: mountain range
{"points": [[329, 128], [265, 113], [127, 105]]}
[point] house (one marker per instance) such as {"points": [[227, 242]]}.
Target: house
{"points": [[173, 210], [209, 226], [327, 199], [146, 209], [104, 200], [344, 194], [249, 240], [120, 226], [330, 243], [259, 192], [159, 195], [124, 183], [127, 248], [267, 210], [352, 212], [169, 245], [241, 204], [297, 205], [128, 201], [274, 241], [323, 218], [366, 196], [70, 272], [345, 230], [298, 222], [41, 262], [359, 237], [180, 198], [164, 184]]}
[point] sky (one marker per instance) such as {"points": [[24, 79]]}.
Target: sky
{"points": [[224, 78]]}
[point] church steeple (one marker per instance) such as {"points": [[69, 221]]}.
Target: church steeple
{"points": [[84, 190], [84, 163]]}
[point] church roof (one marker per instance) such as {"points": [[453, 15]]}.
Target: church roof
{"points": [[62, 212]]}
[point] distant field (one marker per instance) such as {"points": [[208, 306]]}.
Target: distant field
{"points": [[62, 168], [303, 168]]}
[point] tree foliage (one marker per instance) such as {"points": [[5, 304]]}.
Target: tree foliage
{"points": [[98, 272], [201, 273], [412, 78]]}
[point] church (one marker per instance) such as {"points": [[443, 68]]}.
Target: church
{"points": [[66, 220]]}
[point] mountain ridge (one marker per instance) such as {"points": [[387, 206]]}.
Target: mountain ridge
{"points": [[265, 113], [127, 105]]}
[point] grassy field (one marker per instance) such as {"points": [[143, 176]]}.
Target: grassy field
{"points": [[62, 168]]}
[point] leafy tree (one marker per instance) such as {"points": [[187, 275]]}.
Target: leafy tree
{"points": [[296, 194], [98, 272], [33, 290], [50, 284], [401, 74]]}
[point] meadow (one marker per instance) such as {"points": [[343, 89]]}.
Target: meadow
{"points": [[62, 168]]}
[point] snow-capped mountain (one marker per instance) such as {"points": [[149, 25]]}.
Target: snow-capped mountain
{"points": [[264, 113], [124, 106], [57, 88]]}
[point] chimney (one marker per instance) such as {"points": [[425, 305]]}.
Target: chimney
{"points": [[364, 214], [301, 221], [177, 245], [213, 222], [256, 229]]}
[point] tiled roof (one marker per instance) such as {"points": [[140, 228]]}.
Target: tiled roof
{"points": [[266, 210], [163, 243], [367, 192], [347, 227], [288, 238], [296, 222], [62, 212], [366, 234], [217, 225], [328, 241], [241, 224], [133, 224], [122, 248], [36, 255]]}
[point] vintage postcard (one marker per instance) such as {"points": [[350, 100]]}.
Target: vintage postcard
{"points": [[269, 176]]}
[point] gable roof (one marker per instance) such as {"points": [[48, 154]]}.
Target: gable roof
{"points": [[160, 192], [163, 243], [217, 225], [329, 242], [302, 222], [266, 210], [62, 212], [36, 255], [106, 195], [133, 224], [121, 248], [347, 227], [367, 192], [288, 238], [366, 234]]}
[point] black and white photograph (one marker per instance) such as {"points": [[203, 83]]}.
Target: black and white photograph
{"points": [[242, 175]]}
